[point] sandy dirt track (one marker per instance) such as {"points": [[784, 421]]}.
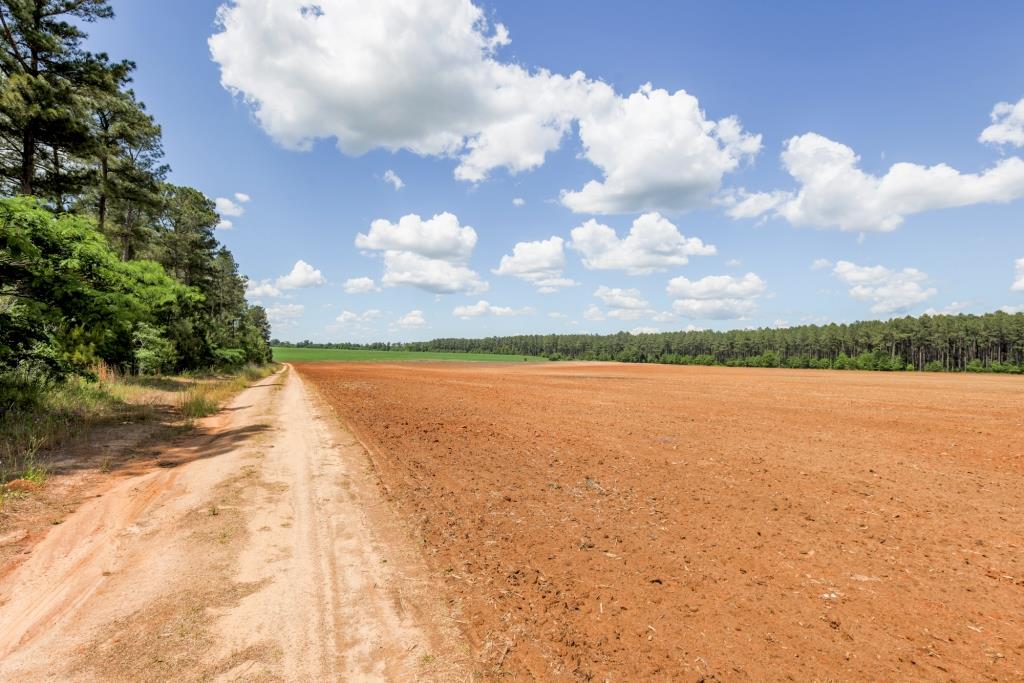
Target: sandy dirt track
{"points": [[260, 549], [616, 522]]}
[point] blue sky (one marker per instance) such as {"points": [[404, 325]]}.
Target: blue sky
{"points": [[827, 98]]}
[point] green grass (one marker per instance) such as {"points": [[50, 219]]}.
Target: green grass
{"points": [[283, 354]]}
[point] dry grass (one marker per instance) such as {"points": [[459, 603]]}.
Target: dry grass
{"points": [[206, 397], [66, 411]]}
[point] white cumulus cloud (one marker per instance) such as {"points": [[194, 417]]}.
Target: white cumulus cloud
{"points": [[1018, 281], [302, 275], [426, 76], [433, 275], [622, 304], [889, 291], [615, 297], [261, 289], [952, 308], [428, 254], [836, 193], [412, 319], [713, 309], [392, 178], [285, 315], [1007, 126], [440, 237], [518, 201], [350, 317], [225, 224], [359, 285], [716, 297], [420, 75], [231, 207], [658, 152], [653, 244], [482, 308], [540, 263]]}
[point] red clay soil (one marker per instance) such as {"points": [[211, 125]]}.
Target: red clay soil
{"points": [[623, 522]]}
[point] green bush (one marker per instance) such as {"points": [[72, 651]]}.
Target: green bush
{"points": [[24, 385], [975, 366], [1002, 367], [230, 359], [154, 353]]}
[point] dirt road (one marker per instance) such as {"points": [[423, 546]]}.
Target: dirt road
{"points": [[260, 549]]}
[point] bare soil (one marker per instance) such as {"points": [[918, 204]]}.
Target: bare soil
{"points": [[622, 522]]}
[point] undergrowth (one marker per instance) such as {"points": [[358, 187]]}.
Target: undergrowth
{"points": [[48, 414], [206, 397]]}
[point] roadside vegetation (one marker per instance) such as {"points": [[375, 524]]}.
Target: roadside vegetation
{"points": [[117, 303], [109, 274], [993, 342], [203, 398], [69, 410]]}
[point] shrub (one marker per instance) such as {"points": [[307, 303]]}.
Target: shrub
{"points": [[24, 385], [154, 353], [844, 362], [975, 366], [229, 358], [997, 366]]}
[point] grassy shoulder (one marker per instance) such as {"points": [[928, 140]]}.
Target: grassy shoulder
{"points": [[288, 354], [67, 412]]}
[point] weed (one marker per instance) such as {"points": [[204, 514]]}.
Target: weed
{"points": [[205, 396], [197, 401], [35, 473], [39, 414]]}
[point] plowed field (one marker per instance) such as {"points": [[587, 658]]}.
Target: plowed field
{"points": [[623, 522]]}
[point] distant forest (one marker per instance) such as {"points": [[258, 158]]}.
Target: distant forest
{"points": [[993, 342]]}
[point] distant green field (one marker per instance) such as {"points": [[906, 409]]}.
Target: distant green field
{"points": [[285, 354]]}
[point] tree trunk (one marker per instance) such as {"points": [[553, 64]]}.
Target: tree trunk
{"points": [[102, 210], [56, 175], [28, 159]]}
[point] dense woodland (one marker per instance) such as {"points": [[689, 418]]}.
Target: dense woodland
{"points": [[102, 260], [974, 343]]}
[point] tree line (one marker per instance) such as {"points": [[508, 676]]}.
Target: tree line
{"points": [[993, 342], [101, 258]]}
